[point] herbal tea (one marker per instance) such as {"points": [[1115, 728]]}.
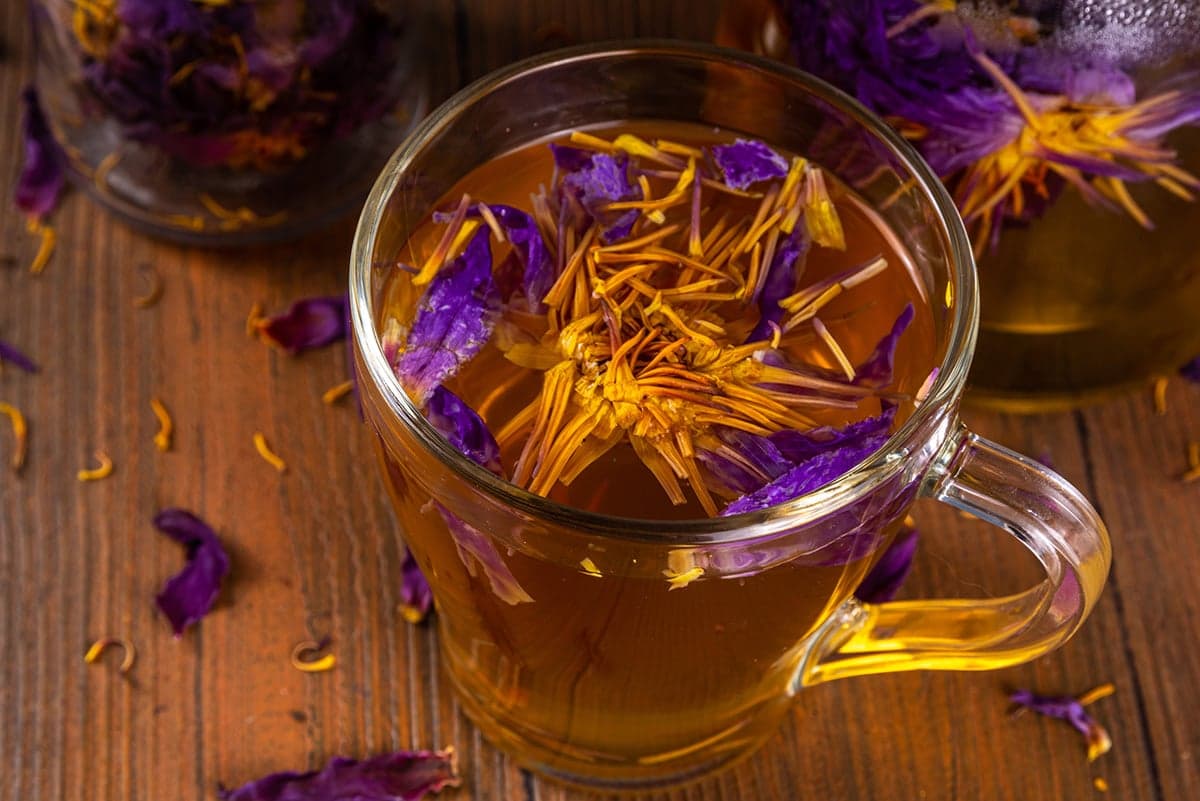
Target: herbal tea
{"points": [[654, 321]]}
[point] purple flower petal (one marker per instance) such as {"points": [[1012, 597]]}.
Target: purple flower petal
{"points": [[10, 355], [1191, 370], [799, 446], [454, 320], [400, 776], [190, 594], [594, 180], [478, 552], [809, 475], [523, 232], [888, 574], [416, 598], [878, 369], [42, 175], [464, 428], [779, 282], [309, 323], [748, 161], [744, 462], [1072, 710]]}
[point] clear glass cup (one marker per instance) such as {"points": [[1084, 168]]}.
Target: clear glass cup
{"points": [[1082, 302], [557, 627], [229, 123]]}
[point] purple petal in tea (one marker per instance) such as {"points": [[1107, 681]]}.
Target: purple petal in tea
{"points": [[399, 776], [748, 161], [416, 598], [464, 428], [888, 574], [523, 232], [809, 475], [190, 594], [743, 462], [1072, 710], [10, 355], [454, 320], [595, 180], [42, 171], [877, 370], [798, 446], [779, 282], [309, 323], [478, 552]]}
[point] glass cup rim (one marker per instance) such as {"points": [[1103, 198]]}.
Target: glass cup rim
{"points": [[805, 509]]}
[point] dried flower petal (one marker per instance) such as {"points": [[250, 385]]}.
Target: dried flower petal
{"points": [[596, 180], [748, 161], [1065, 707], [97, 649], [166, 426], [478, 552], [889, 573], [464, 428], [42, 173], [454, 320], [416, 598], [309, 323], [268, 455], [190, 594], [10, 355], [523, 233], [20, 435], [799, 446], [302, 657], [103, 470], [779, 282], [399, 776], [1191, 370], [877, 371]]}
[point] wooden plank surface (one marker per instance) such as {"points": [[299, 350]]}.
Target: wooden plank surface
{"points": [[316, 551]]}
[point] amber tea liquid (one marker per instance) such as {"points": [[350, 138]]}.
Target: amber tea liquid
{"points": [[609, 670]]}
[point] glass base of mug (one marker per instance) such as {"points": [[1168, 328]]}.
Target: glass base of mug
{"points": [[551, 759]]}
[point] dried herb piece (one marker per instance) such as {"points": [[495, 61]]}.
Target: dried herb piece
{"points": [[103, 470], [190, 594], [594, 181], [269, 456], [878, 369], [97, 649], [454, 320], [1070, 709], [1191, 370], [154, 293], [416, 598], [42, 171], [888, 574], [10, 355], [464, 428], [748, 161], [398, 776], [337, 392], [20, 435], [309, 323], [304, 650], [166, 427]]}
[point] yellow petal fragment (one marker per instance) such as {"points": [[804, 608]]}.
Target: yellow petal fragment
{"points": [[97, 649], [336, 393], [680, 580], [307, 648], [1160, 395], [255, 319], [1100, 784], [1096, 693], [166, 427], [45, 247], [264, 450], [589, 566], [20, 435], [103, 470], [820, 215]]}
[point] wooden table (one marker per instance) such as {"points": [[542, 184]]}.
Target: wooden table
{"points": [[316, 550]]}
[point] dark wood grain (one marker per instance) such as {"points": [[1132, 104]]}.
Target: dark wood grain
{"points": [[316, 551]]}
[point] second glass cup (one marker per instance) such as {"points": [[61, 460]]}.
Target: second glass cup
{"points": [[564, 641]]}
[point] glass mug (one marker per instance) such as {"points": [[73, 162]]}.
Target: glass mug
{"points": [[557, 628]]}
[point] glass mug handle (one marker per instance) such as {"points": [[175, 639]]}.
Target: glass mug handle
{"points": [[1040, 509]]}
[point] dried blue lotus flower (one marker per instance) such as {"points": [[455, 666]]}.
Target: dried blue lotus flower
{"points": [[42, 170], [9, 354], [416, 599], [748, 161], [1065, 707], [309, 323], [238, 84], [454, 320], [399, 776], [888, 574], [998, 106], [190, 594]]}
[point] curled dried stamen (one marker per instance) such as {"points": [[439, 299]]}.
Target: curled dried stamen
{"points": [[308, 648], [103, 470], [156, 288], [20, 435], [336, 393], [1160, 395], [268, 455], [1193, 471], [162, 438], [97, 649], [255, 319], [48, 239]]}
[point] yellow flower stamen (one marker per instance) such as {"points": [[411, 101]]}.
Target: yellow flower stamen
{"points": [[97, 649], [301, 653], [678, 581], [103, 470], [589, 566], [268, 455], [1193, 471], [1161, 385], [839, 355], [442, 250], [48, 238], [154, 292], [166, 427], [20, 435], [255, 319], [336, 393]]}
